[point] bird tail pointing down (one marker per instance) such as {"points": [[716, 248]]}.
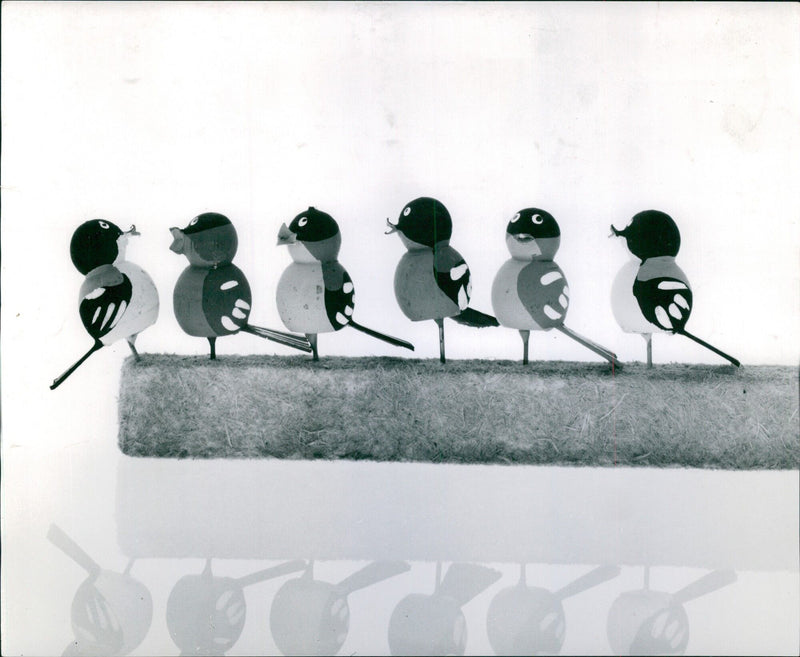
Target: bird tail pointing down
{"points": [[397, 342], [705, 344], [288, 339], [97, 345], [475, 318]]}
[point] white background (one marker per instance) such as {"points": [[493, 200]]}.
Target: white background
{"points": [[150, 113]]}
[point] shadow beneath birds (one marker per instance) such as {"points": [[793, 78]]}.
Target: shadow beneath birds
{"points": [[648, 622], [433, 624], [206, 613], [111, 612]]}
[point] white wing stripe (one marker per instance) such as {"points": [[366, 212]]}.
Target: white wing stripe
{"points": [[228, 323], [458, 272], [122, 307], [550, 277], [551, 312], [672, 285], [681, 301], [109, 312], [663, 318]]}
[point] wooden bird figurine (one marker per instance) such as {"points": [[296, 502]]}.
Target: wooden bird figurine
{"points": [[432, 280], [117, 299], [654, 295], [212, 296], [315, 293], [530, 291]]}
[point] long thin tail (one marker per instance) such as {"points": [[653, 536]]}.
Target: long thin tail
{"points": [[59, 538], [610, 356], [97, 345], [397, 342], [708, 346], [475, 318], [287, 339]]}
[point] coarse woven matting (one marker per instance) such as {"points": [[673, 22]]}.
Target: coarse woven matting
{"points": [[462, 411]]}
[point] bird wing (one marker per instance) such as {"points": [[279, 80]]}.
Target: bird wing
{"points": [[339, 294], [226, 299], [664, 301], [102, 307], [543, 291], [452, 275]]}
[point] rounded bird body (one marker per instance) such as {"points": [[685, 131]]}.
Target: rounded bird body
{"points": [[651, 297], [212, 302], [117, 298], [432, 280], [530, 295], [140, 309], [315, 297], [212, 297], [315, 293], [654, 295], [530, 291], [432, 284]]}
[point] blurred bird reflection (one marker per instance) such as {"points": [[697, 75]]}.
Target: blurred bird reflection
{"points": [[527, 620], [206, 613], [434, 624], [312, 617], [111, 612], [647, 622]]}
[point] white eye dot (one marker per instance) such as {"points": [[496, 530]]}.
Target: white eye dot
{"points": [[537, 219], [302, 221], [103, 224], [406, 212], [194, 221], [515, 218]]}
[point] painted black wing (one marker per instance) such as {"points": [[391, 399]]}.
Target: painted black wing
{"points": [[102, 308], [664, 301], [226, 299], [452, 275], [543, 290], [339, 294]]}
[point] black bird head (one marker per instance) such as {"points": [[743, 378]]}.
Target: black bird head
{"points": [[97, 242], [533, 234], [650, 234], [208, 241], [424, 222], [311, 234]]}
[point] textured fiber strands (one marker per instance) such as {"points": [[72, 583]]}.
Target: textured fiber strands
{"points": [[501, 412]]}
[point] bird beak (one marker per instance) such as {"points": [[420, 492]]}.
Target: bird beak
{"points": [[177, 240], [286, 236], [616, 233], [524, 238], [392, 227], [132, 231]]}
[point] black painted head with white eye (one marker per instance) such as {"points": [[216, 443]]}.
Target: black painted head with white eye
{"points": [[206, 221], [314, 226], [534, 222], [94, 243], [425, 221]]}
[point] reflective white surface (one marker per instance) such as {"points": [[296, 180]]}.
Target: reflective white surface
{"points": [[165, 520]]}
